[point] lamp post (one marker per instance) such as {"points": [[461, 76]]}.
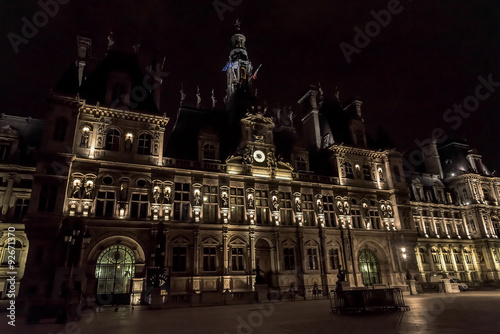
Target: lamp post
{"points": [[408, 278], [73, 238]]}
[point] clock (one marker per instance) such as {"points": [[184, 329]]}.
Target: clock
{"points": [[259, 156]]}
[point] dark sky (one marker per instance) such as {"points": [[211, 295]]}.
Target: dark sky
{"points": [[427, 59]]}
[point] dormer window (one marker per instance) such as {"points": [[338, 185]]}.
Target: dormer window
{"points": [[144, 144], [301, 164], [349, 171], [113, 140], [209, 152]]}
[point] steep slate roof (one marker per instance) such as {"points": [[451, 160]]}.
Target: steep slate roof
{"points": [[95, 84]]}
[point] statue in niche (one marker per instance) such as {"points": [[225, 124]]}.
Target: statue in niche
{"points": [[320, 206], [84, 142], [390, 213], [247, 156], [250, 201], [156, 194], [167, 195], [89, 186], [77, 187], [225, 200], [276, 206], [197, 198], [123, 191], [340, 207], [298, 204], [347, 208]]}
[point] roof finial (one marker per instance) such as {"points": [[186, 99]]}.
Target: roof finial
{"points": [[214, 100], [237, 24], [198, 97], [111, 40]]}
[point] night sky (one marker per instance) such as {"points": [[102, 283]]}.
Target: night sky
{"points": [[425, 60]]}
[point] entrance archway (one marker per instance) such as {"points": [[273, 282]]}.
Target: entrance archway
{"points": [[369, 267], [263, 259], [115, 270]]}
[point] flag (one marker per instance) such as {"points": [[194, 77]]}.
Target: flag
{"points": [[228, 65], [254, 76]]}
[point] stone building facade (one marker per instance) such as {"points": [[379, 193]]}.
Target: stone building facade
{"points": [[236, 193]]}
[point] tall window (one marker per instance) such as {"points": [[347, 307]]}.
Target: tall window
{"points": [[367, 173], [422, 253], [144, 144], [237, 205], [308, 210], [357, 222], [375, 219], [4, 151], [329, 211], [21, 208], [139, 206], [435, 256], [14, 252], [237, 259], [181, 201], [312, 258], [262, 207], [179, 259], [209, 151], [369, 268], [285, 201], [301, 164], [446, 256], [48, 197], [289, 258], [210, 203], [496, 227], [457, 257], [349, 171], [115, 270], [209, 256], [60, 129], [333, 257], [105, 205], [113, 140], [467, 255], [438, 229]]}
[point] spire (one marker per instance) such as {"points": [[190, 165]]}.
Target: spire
{"points": [[111, 40], [198, 97], [239, 68], [214, 100]]}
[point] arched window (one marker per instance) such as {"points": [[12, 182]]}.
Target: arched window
{"points": [[349, 172], [367, 174], [435, 256], [369, 268], [113, 140], [209, 151], [423, 257], [144, 144], [115, 270], [60, 129], [16, 247], [301, 164]]}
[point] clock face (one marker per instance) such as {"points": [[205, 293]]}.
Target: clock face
{"points": [[259, 156]]}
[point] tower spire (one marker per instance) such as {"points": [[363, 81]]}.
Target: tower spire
{"points": [[239, 67]]}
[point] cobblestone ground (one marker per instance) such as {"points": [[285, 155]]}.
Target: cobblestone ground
{"points": [[469, 312]]}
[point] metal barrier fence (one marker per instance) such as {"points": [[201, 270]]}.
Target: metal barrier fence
{"points": [[368, 300]]}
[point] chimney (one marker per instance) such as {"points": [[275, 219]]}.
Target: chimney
{"points": [[432, 162], [84, 53]]}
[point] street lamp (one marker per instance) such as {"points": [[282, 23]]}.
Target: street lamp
{"points": [[73, 238]]}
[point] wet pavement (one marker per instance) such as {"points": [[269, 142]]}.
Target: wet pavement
{"points": [[469, 312]]}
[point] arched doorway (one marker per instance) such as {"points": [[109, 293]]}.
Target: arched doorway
{"points": [[368, 267], [263, 260], [114, 272]]}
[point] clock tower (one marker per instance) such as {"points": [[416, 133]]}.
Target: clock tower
{"points": [[239, 67]]}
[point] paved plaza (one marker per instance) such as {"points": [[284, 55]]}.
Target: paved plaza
{"points": [[469, 312]]}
